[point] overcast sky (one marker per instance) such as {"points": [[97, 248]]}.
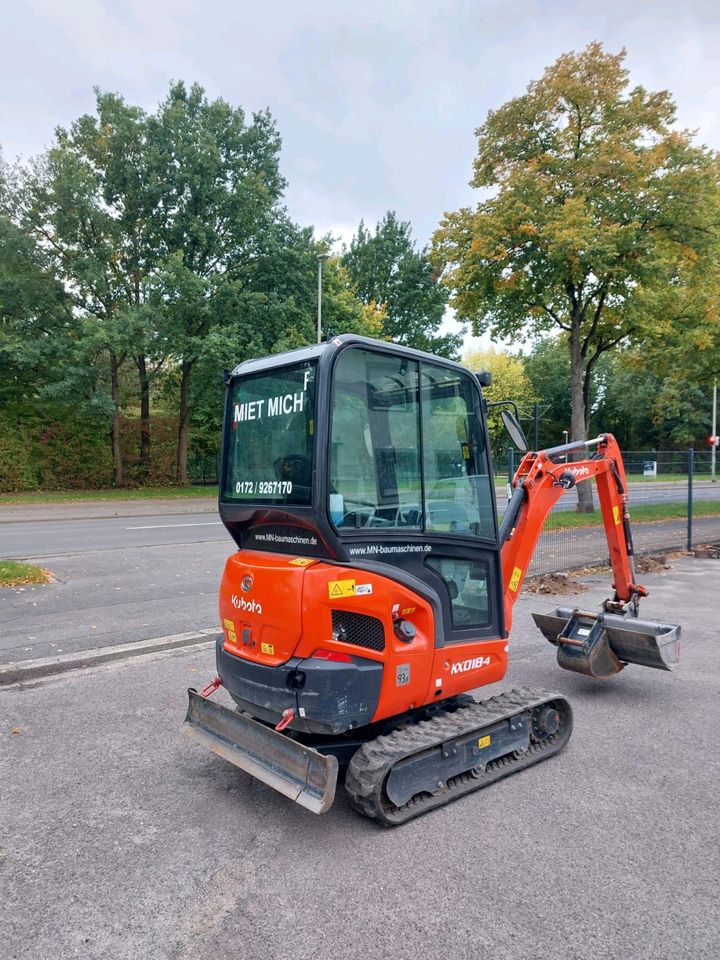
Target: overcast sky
{"points": [[376, 102]]}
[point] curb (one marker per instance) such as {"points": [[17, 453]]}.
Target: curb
{"points": [[47, 666]]}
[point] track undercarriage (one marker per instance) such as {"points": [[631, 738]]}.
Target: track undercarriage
{"points": [[425, 765], [427, 760]]}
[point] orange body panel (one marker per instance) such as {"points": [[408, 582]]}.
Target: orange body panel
{"points": [[286, 611]]}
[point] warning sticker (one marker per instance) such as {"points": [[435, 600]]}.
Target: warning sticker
{"points": [[267, 648], [301, 561], [515, 579], [616, 515], [341, 588], [483, 742]]}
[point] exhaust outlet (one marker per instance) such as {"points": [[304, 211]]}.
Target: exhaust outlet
{"points": [[600, 645]]}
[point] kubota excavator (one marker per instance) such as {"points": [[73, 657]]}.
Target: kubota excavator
{"points": [[372, 587]]}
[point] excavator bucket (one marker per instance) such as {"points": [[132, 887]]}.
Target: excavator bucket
{"points": [[296, 771], [600, 645]]}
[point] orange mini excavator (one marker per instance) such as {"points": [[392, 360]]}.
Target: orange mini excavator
{"points": [[373, 588]]}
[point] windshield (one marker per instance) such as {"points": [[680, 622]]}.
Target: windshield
{"points": [[269, 437]]}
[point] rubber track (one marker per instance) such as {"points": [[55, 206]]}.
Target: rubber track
{"points": [[370, 766]]}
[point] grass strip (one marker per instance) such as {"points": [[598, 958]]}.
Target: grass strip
{"points": [[641, 513], [16, 574]]}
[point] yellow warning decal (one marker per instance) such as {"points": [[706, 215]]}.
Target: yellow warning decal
{"points": [[515, 579], [229, 624], [483, 742], [341, 588], [230, 627], [616, 515], [267, 648], [301, 561]]}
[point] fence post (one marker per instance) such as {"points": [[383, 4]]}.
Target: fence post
{"points": [[691, 470]]}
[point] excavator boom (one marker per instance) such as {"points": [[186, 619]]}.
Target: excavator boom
{"points": [[597, 645]]}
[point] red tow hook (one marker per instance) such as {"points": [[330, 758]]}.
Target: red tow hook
{"points": [[211, 687], [287, 717]]}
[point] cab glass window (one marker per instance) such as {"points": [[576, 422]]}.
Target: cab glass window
{"points": [[270, 437], [375, 442], [407, 448], [458, 491], [466, 582]]}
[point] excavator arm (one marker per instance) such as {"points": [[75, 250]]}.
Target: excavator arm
{"points": [[599, 644]]}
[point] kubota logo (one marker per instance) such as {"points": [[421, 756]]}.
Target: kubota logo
{"points": [[248, 606], [579, 471], [474, 663]]}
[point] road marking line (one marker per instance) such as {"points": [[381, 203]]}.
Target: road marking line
{"points": [[161, 526]]}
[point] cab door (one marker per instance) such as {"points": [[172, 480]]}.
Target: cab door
{"points": [[410, 482], [459, 508]]}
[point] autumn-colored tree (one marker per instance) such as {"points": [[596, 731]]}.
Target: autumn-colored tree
{"points": [[509, 382], [596, 203]]}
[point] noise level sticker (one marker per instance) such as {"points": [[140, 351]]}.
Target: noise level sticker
{"points": [[301, 561], [483, 742], [515, 579], [616, 515], [341, 588]]}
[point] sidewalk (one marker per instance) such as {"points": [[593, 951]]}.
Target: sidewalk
{"points": [[100, 509]]}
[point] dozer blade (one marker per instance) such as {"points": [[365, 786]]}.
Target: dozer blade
{"points": [[600, 645], [296, 771]]}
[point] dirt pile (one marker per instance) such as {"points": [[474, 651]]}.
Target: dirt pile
{"points": [[556, 584]]}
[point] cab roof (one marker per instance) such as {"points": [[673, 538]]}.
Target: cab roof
{"points": [[317, 351]]}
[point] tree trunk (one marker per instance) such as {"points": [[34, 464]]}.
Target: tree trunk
{"points": [[144, 464], [578, 421], [115, 426], [184, 424]]}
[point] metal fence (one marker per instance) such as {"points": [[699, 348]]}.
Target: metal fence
{"points": [[673, 503]]}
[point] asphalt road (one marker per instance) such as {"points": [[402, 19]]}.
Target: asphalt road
{"points": [[116, 579], [104, 597], [122, 840], [36, 539], [122, 579], [34, 530]]}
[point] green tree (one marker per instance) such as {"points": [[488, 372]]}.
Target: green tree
{"points": [[596, 203], [86, 205], [389, 272], [509, 382], [276, 310], [35, 318], [217, 188]]}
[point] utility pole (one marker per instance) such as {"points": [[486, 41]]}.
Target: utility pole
{"points": [[714, 445], [321, 258]]}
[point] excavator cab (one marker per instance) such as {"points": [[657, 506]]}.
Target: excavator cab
{"points": [[368, 453], [372, 587]]}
